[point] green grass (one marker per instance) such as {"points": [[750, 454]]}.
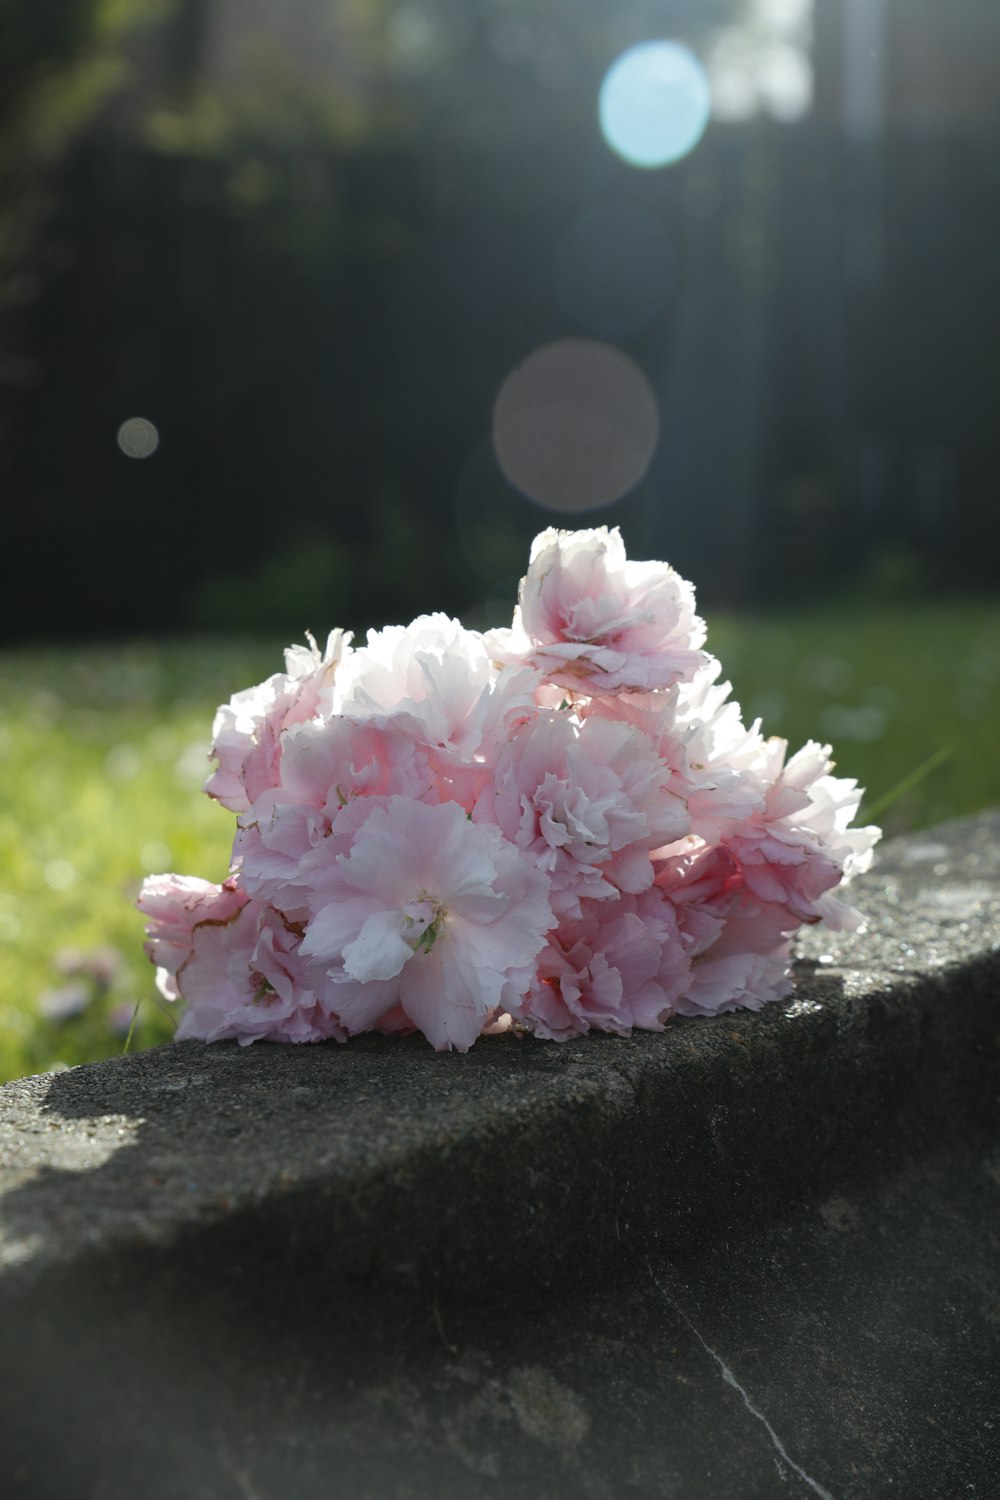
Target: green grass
{"points": [[892, 691], [102, 755]]}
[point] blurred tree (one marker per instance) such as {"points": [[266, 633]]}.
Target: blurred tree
{"points": [[60, 62]]}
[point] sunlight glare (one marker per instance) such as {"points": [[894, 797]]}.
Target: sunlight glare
{"points": [[654, 104]]}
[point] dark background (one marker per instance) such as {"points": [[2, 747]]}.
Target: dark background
{"points": [[309, 242]]}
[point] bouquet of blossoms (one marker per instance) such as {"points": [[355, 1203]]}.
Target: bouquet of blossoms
{"points": [[563, 826]]}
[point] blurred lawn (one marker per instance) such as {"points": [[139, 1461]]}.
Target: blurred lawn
{"points": [[103, 752]]}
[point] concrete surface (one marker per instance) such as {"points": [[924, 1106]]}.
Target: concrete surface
{"points": [[754, 1256]]}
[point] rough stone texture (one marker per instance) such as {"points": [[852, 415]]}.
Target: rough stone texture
{"points": [[754, 1256]]}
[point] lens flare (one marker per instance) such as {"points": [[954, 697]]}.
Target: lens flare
{"points": [[575, 426], [654, 104], [138, 438]]}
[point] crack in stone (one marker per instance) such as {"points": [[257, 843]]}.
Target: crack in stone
{"points": [[754, 1411]]}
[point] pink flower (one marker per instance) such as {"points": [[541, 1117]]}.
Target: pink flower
{"points": [[621, 965], [738, 903], [325, 765], [714, 759], [176, 905], [439, 676], [588, 801], [429, 912], [566, 824], [739, 949], [236, 962], [799, 846], [246, 735], [746, 967], [593, 622]]}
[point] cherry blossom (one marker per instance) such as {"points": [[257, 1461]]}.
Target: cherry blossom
{"points": [[561, 827], [588, 800], [430, 912], [246, 735], [593, 622]]}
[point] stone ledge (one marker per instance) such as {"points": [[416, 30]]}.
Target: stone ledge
{"points": [[888, 1035], [239, 1190]]}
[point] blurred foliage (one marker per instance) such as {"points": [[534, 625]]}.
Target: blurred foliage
{"points": [[103, 753], [277, 593], [61, 61], [309, 241], [316, 582], [342, 73], [320, 71]]}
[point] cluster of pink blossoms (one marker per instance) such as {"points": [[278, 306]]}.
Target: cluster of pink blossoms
{"points": [[564, 825]]}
